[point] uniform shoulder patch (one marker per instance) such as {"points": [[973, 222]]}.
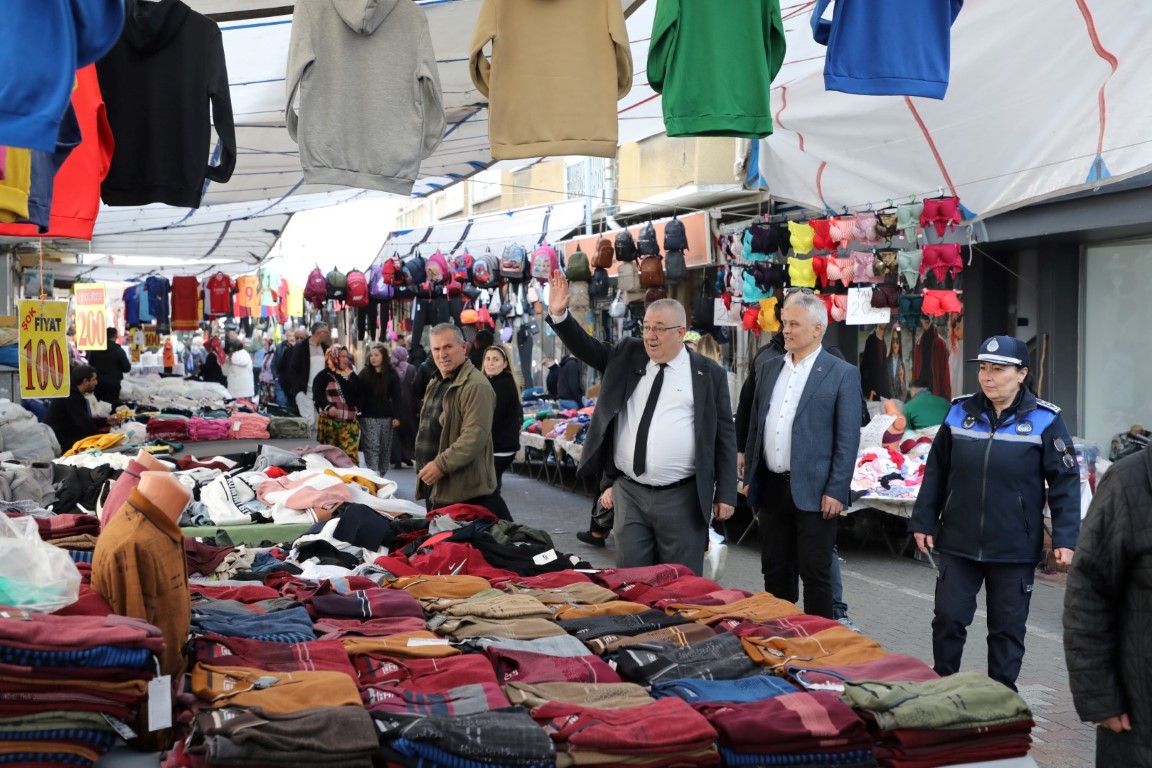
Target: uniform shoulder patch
{"points": [[1047, 405], [962, 398]]}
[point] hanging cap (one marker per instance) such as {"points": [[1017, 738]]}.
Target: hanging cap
{"points": [[1003, 350]]}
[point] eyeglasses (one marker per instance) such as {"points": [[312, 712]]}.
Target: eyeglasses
{"points": [[797, 289], [1062, 447], [659, 329]]}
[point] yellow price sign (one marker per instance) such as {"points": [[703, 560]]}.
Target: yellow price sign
{"points": [[91, 316], [43, 349]]}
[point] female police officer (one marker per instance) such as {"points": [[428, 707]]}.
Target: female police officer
{"points": [[981, 506]]}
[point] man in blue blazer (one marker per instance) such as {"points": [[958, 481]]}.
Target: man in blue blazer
{"points": [[662, 429], [802, 443]]}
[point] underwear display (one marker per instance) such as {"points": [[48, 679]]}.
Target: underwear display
{"points": [[942, 213], [767, 320], [800, 235], [841, 231], [864, 229], [908, 220], [800, 272], [862, 267], [839, 269], [887, 264], [822, 241], [886, 295], [938, 303], [820, 267], [886, 224], [910, 306], [909, 266], [940, 264], [837, 307]]}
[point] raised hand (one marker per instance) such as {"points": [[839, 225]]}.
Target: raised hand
{"points": [[558, 295]]}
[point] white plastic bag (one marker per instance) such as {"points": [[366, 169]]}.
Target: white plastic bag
{"points": [[34, 575]]}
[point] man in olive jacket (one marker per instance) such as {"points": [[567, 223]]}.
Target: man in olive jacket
{"points": [[454, 442]]}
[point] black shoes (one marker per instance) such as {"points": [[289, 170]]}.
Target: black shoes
{"points": [[589, 538]]}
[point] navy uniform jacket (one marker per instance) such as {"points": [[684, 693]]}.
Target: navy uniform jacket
{"points": [[984, 486]]}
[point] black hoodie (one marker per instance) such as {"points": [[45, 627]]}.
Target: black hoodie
{"points": [[157, 83]]}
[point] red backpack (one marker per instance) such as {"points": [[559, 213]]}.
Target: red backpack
{"points": [[357, 289], [393, 270], [316, 289]]}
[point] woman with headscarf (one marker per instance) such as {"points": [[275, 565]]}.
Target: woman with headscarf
{"points": [[336, 393], [210, 369], [379, 408], [506, 420], [404, 440], [238, 370]]}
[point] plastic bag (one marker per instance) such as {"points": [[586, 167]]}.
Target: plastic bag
{"points": [[34, 575]]}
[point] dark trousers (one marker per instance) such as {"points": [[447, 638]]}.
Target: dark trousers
{"points": [[502, 463], [1008, 592], [795, 541], [655, 526]]}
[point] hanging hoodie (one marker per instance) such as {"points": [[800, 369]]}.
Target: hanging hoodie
{"points": [[558, 68], [76, 187], [157, 83], [917, 66], [363, 90], [46, 42], [714, 63]]}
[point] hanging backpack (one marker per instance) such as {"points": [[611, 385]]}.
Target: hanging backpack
{"points": [[544, 262], [628, 277], [462, 266], [414, 271], [316, 289], [648, 245], [578, 267], [602, 256], [337, 285], [675, 238], [654, 294], [392, 270], [437, 269], [702, 305], [357, 289], [579, 300], [513, 262], [625, 246], [486, 270], [675, 267], [378, 287], [651, 272], [598, 286]]}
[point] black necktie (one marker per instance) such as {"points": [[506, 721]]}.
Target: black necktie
{"points": [[640, 458]]}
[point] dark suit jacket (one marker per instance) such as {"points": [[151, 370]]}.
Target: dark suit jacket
{"points": [[825, 433], [622, 366]]}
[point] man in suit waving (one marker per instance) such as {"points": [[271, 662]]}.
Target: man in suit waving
{"points": [[802, 442], [662, 428]]}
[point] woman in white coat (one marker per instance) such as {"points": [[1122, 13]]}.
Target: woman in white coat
{"points": [[238, 369]]}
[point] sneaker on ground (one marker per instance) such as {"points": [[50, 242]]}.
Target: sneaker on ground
{"points": [[715, 560], [847, 622], [588, 538]]}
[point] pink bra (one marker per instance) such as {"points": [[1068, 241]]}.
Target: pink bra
{"points": [[864, 230], [839, 269], [941, 212], [841, 231], [862, 262]]}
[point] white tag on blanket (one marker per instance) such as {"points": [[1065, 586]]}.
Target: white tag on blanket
{"points": [[545, 557], [160, 703]]}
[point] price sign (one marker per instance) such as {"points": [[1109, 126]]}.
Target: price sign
{"points": [[43, 349], [861, 311], [91, 316], [151, 337]]}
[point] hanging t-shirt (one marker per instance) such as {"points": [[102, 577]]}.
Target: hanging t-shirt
{"points": [[144, 304], [248, 296], [219, 298], [269, 285], [282, 301], [295, 300], [158, 288], [132, 305], [185, 303]]}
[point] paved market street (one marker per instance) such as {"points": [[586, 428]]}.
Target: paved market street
{"points": [[889, 599]]}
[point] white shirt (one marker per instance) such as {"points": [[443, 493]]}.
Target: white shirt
{"points": [[672, 434], [238, 369], [315, 362], [782, 411]]}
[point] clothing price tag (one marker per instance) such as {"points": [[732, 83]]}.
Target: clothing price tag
{"points": [[160, 703], [236, 427], [861, 311], [545, 557], [414, 642], [120, 727]]}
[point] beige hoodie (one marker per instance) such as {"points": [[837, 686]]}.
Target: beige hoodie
{"points": [[558, 68], [363, 91]]}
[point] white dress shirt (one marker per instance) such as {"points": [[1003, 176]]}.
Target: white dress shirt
{"points": [[672, 434], [782, 411]]}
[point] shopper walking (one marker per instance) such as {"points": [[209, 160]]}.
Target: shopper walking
{"points": [[380, 404], [336, 398], [507, 419], [211, 369], [404, 438], [111, 365], [1109, 595], [654, 394], [238, 370], [454, 443], [569, 384], [266, 379], [981, 506], [304, 364], [803, 435]]}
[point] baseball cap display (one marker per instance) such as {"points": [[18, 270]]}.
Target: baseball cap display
{"points": [[1003, 350]]}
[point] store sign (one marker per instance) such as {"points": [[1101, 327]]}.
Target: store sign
{"points": [[91, 316], [861, 311], [43, 349]]}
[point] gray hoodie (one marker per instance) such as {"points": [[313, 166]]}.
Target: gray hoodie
{"points": [[364, 100]]}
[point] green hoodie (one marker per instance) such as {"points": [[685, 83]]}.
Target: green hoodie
{"points": [[714, 63]]}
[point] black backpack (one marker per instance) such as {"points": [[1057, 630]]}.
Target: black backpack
{"points": [[598, 287], [675, 238], [675, 267], [648, 245], [625, 246]]}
